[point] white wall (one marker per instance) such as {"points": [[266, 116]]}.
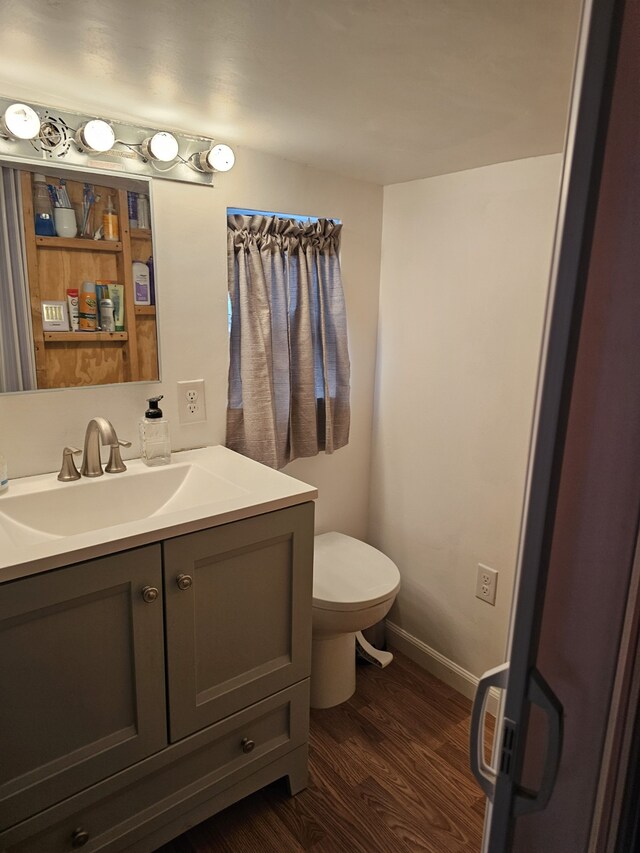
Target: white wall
{"points": [[191, 268], [465, 264]]}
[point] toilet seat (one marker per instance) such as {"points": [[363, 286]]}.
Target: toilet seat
{"points": [[350, 575]]}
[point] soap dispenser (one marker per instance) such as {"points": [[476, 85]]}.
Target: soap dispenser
{"points": [[155, 446]]}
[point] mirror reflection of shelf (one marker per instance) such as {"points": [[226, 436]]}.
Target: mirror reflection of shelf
{"points": [[84, 337], [140, 233], [78, 244], [56, 264]]}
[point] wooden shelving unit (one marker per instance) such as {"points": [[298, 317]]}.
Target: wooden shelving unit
{"points": [[55, 264]]}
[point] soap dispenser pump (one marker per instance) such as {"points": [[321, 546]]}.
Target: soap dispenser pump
{"points": [[155, 446]]}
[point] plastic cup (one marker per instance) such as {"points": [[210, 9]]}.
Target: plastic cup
{"points": [[65, 220]]}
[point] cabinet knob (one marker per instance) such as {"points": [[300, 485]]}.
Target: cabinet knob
{"points": [[149, 594], [184, 581], [79, 838], [247, 744]]}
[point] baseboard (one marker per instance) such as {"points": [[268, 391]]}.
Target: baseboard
{"points": [[440, 666]]}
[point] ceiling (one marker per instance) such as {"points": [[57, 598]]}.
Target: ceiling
{"points": [[379, 90]]}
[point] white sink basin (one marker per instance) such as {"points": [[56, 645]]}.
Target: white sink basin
{"points": [[93, 504], [45, 523]]}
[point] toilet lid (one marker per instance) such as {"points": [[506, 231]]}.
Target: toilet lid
{"points": [[349, 574]]}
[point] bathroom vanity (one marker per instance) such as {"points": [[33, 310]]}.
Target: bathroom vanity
{"points": [[152, 670]]}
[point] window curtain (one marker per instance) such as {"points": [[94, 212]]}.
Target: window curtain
{"points": [[17, 359], [289, 358]]}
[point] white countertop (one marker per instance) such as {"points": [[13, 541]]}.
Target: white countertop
{"points": [[242, 488]]}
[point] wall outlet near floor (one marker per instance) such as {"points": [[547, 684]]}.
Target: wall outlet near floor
{"points": [[191, 404], [486, 584]]}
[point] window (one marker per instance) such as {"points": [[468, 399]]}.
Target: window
{"points": [[289, 365]]}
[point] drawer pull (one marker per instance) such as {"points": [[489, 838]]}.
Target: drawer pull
{"points": [[184, 581], [79, 838], [247, 744], [149, 594]]}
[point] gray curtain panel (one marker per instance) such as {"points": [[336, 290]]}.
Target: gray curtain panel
{"points": [[17, 359], [289, 370]]}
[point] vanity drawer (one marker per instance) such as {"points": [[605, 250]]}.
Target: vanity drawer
{"points": [[122, 810]]}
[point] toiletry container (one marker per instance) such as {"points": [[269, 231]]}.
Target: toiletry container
{"points": [[132, 206], [4, 479], [110, 222], [144, 211], [141, 283], [88, 307], [42, 208], [155, 445], [72, 304], [107, 322]]}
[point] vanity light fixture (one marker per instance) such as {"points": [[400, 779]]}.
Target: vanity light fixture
{"points": [[95, 136], [162, 146], [38, 134], [20, 122], [219, 158]]}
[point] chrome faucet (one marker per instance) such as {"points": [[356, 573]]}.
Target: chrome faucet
{"points": [[101, 431]]}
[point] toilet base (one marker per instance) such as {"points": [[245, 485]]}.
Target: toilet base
{"points": [[333, 670]]}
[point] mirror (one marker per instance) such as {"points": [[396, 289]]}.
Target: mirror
{"points": [[77, 283]]}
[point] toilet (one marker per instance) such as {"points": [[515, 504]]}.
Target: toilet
{"points": [[354, 586]]}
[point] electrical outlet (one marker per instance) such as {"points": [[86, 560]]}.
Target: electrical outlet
{"points": [[486, 584], [191, 403]]}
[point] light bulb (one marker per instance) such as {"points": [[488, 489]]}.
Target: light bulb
{"points": [[96, 136], [161, 146], [20, 122], [220, 158]]}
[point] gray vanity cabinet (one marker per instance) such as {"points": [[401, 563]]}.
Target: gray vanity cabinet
{"points": [[238, 608], [71, 709], [105, 745]]}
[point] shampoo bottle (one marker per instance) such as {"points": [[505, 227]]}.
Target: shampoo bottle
{"points": [[4, 479], [155, 446]]}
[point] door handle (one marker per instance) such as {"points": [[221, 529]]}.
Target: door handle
{"points": [[539, 693], [484, 773]]}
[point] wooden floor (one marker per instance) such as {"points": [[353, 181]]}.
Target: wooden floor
{"points": [[388, 774]]}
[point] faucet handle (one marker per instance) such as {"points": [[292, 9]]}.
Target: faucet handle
{"points": [[68, 470], [115, 465]]}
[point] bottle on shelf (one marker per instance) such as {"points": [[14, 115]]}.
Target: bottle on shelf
{"points": [[144, 211], [132, 206], [141, 283], [42, 208], [110, 222], [88, 307]]}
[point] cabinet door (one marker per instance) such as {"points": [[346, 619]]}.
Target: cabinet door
{"points": [[81, 678], [238, 612]]}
